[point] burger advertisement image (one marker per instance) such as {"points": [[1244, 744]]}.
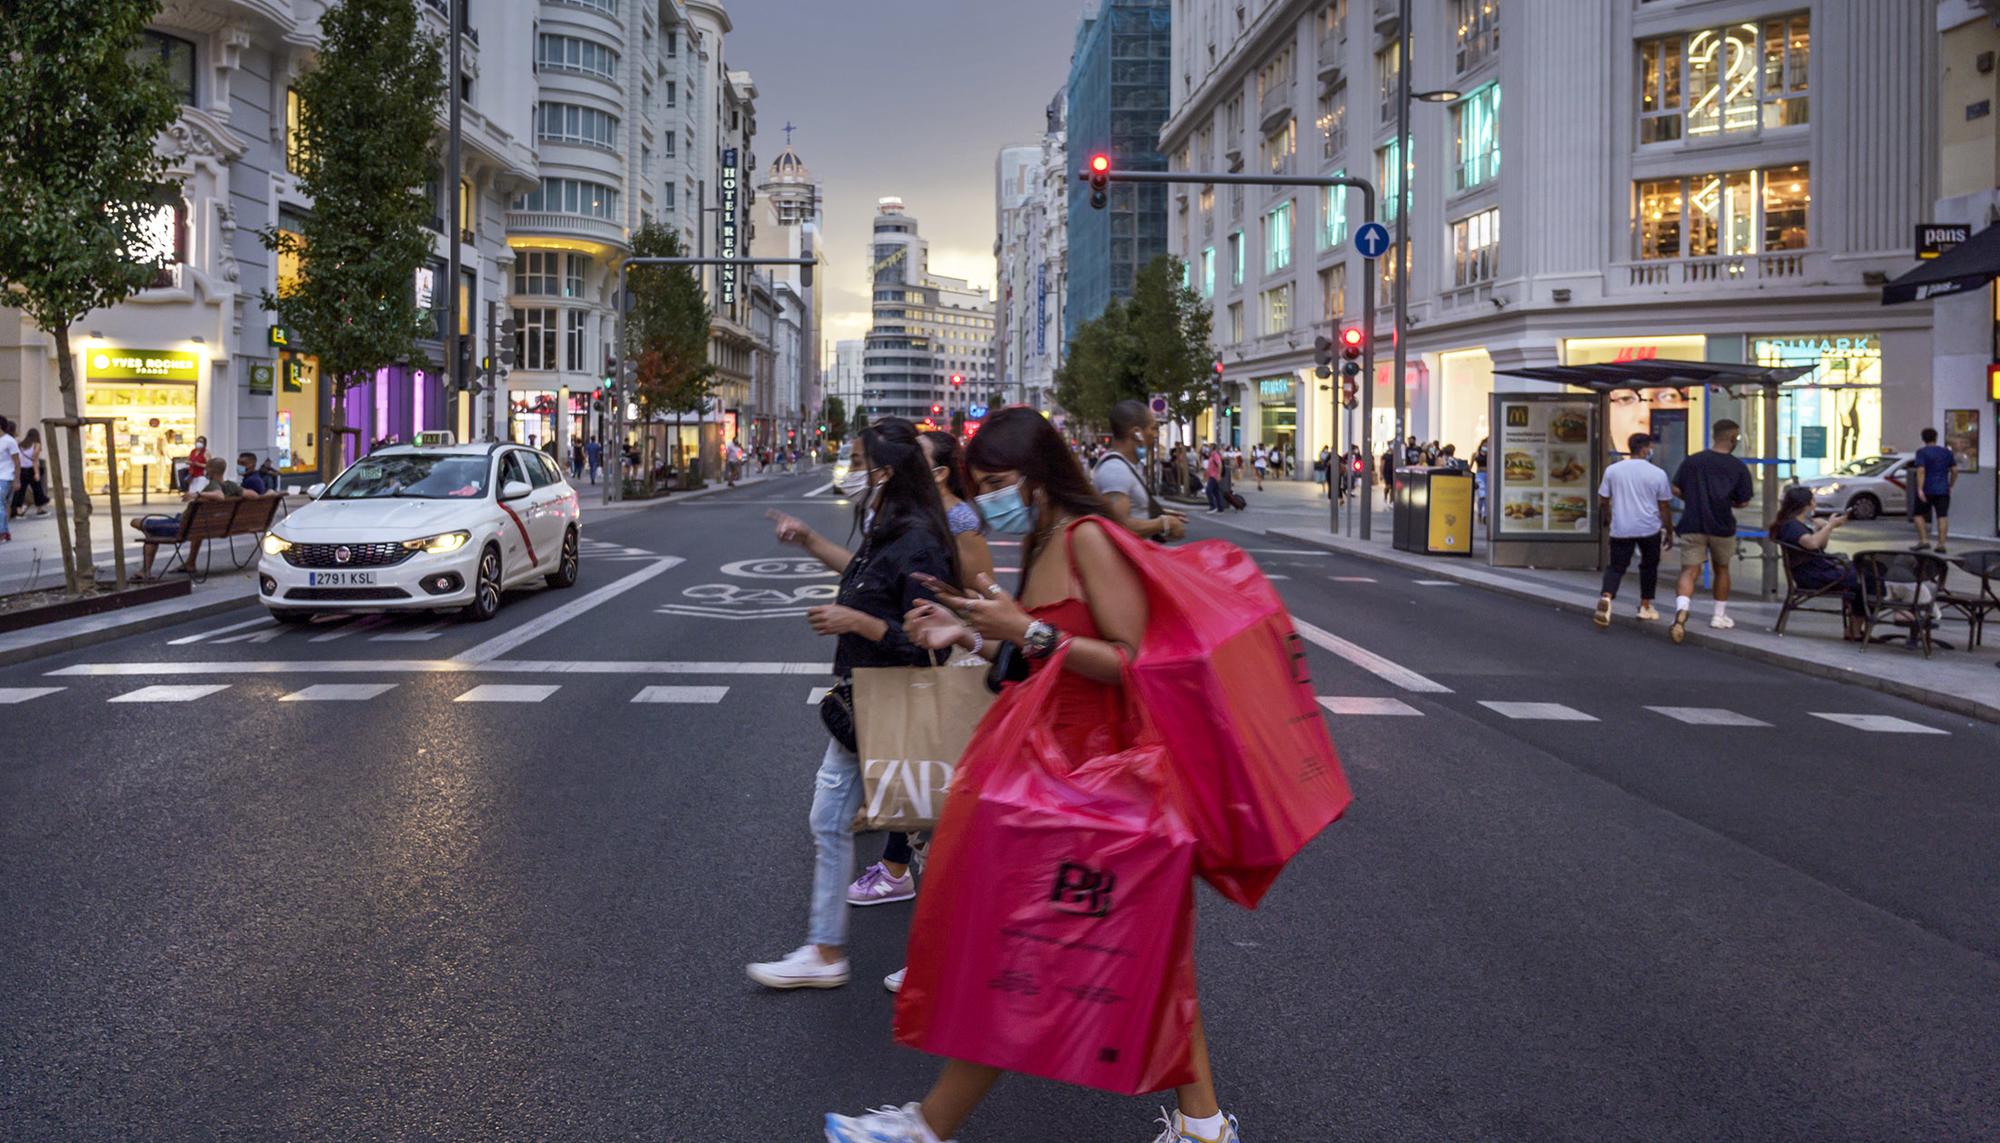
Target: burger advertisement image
{"points": [[1545, 451]]}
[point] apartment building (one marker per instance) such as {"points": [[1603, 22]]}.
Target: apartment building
{"points": [[1031, 250]]}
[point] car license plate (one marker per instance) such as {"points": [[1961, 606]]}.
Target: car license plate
{"points": [[341, 579]]}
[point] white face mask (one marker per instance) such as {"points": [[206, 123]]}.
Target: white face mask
{"points": [[854, 483]]}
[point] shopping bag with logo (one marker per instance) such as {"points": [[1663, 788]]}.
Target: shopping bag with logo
{"points": [[1222, 675], [913, 723], [1055, 933]]}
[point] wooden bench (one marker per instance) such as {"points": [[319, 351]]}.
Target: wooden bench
{"points": [[205, 521]]}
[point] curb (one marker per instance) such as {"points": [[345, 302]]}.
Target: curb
{"points": [[1956, 704], [138, 625]]}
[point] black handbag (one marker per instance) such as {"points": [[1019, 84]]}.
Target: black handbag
{"points": [[836, 713]]}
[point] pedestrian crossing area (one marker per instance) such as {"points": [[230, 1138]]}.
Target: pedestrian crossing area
{"points": [[1339, 706]]}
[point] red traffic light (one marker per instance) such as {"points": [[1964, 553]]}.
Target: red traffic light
{"points": [[1351, 336], [937, 408], [1218, 369], [1100, 163], [958, 378]]}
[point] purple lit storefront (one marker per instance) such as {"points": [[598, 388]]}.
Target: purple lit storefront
{"points": [[396, 404]]}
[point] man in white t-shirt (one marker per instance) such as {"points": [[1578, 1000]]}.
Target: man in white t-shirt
{"points": [[10, 470], [1638, 499]]}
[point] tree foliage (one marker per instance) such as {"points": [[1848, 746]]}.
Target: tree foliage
{"points": [[366, 144], [1157, 342], [667, 329], [80, 117], [834, 417]]}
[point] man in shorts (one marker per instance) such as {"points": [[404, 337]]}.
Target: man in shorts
{"points": [[1712, 484], [1932, 472]]}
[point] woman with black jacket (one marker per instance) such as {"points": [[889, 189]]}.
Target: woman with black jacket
{"points": [[903, 534]]}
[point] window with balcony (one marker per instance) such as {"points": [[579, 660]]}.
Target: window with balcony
{"points": [[1236, 323], [608, 7], [572, 53], [1478, 31], [1208, 271], [1475, 248], [570, 123], [1332, 123], [1332, 21], [1730, 81], [173, 54], [535, 337], [1278, 238], [573, 339], [295, 140], [1274, 79], [1730, 213], [1204, 145], [1475, 121], [1236, 258], [673, 94], [1278, 309], [572, 196], [1388, 75], [1205, 201], [1278, 147], [1333, 292], [1333, 215], [1388, 177], [1232, 118], [673, 44]]}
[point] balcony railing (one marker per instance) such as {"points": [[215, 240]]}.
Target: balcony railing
{"points": [[1332, 52], [528, 222], [1275, 105], [1725, 271]]}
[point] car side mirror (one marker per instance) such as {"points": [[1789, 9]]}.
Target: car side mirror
{"points": [[515, 490], [316, 491]]}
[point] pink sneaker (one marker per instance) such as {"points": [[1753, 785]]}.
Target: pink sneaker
{"points": [[876, 887]]}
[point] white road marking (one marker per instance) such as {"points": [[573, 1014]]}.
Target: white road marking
{"points": [[681, 694], [1368, 660], [1538, 711], [11, 695], [699, 612], [186, 639], [1435, 582], [180, 693], [350, 627], [1879, 723], [1354, 579], [502, 692], [262, 635], [817, 693], [422, 634], [1274, 575], [440, 667], [1359, 705], [339, 692], [1707, 716], [543, 624], [1283, 552], [824, 488]]}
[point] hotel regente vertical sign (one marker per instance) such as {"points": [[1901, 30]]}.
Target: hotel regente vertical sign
{"points": [[726, 245]]}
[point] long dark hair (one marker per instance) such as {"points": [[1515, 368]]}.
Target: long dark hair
{"points": [[1021, 440], [1797, 498], [944, 454], [908, 499]]}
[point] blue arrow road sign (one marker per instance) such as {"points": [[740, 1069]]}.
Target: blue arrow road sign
{"points": [[1372, 239]]}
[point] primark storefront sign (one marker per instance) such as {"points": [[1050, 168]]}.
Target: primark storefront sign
{"points": [[727, 240]]}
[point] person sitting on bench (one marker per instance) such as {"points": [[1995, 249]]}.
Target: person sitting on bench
{"points": [[210, 485]]}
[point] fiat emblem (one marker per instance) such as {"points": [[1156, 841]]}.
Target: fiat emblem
{"points": [[342, 554]]}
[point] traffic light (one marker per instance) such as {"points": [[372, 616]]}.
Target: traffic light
{"points": [[958, 379], [506, 339], [935, 409], [1350, 350], [1322, 356], [1100, 177], [1350, 392], [1218, 368]]}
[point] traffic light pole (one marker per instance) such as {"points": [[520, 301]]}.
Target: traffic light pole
{"points": [[614, 484], [1097, 175]]}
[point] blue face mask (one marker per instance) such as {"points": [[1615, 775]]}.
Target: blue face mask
{"points": [[1005, 511]]}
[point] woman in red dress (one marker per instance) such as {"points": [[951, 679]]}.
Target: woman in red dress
{"points": [[1077, 592]]}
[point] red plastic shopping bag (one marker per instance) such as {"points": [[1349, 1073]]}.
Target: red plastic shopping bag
{"points": [[1055, 933], [1222, 676]]}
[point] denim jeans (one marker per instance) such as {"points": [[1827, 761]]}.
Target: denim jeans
{"points": [[6, 504], [836, 795], [1214, 490]]}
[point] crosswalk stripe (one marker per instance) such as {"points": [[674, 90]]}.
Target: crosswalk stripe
{"points": [[1538, 711], [1283, 552], [1353, 579], [11, 695], [171, 692], [1435, 582], [212, 632], [263, 634], [339, 692], [681, 694], [816, 694], [1356, 704], [1367, 660], [422, 634], [1878, 723], [1275, 575], [507, 692], [342, 629], [1707, 716]]}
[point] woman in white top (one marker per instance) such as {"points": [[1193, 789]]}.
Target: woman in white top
{"points": [[1259, 460], [30, 480]]}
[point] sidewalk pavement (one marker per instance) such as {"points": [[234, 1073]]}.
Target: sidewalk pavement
{"points": [[1959, 681]]}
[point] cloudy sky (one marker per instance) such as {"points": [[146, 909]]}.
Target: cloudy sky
{"points": [[902, 97]]}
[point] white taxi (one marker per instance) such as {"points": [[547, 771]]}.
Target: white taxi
{"points": [[424, 527]]}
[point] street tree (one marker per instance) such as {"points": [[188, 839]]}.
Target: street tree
{"points": [[667, 328], [834, 416], [1158, 341], [1102, 367], [366, 145], [81, 114]]}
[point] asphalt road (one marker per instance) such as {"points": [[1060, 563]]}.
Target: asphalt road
{"points": [[403, 913]]}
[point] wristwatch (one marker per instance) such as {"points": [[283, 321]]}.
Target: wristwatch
{"points": [[1039, 639]]}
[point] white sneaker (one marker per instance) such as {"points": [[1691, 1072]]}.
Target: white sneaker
{"points": [[802, 968], [1721, 622], [894, 981], [882, 1125], [1173, 1130]]}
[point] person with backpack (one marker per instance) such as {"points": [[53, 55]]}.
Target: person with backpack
{"points": [[1135, 434]]}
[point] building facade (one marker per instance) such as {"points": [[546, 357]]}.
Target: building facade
{"points": [[1014, 186], [1118, 97], [788, 225], [929, 353], [1743, 195], [1031, 249], [844, 375]]}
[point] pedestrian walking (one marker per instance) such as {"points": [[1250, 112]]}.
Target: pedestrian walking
{"points": [[1212, 474], [1712, 484], [576, 458], [1935, 470], [1093, 605], [1323, 472], [1638, 500], [1127, 499], [1259, 459], [32, 481], [1795, 524], [10, 469], [1389, 475], [904, 534], [593, 452], [1480, 456]]}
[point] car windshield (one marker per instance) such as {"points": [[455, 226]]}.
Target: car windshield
{"points": [[414, 475], [1868, 466]]}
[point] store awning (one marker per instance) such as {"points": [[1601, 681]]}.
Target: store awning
{"points": [[1966, 266], [1659, 373]]}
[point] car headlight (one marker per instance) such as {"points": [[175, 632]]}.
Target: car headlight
{"points": [[275, 544], [440, 544], [1826, 490]]}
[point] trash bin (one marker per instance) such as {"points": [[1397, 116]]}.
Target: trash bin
{"points": [[1433, 511]]}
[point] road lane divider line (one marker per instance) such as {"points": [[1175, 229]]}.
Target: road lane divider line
{"points": [[1386, 670], [824, 488], [12, 695], [543, 624], [681, 694], [170, 693], [210, 634], [1355, 704], [436, 667]]}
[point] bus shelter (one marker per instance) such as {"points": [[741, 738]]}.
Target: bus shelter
{"points": [[1550, 450]]}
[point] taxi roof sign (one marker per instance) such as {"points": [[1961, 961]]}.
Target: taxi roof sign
{"points": [[435, 438]]}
